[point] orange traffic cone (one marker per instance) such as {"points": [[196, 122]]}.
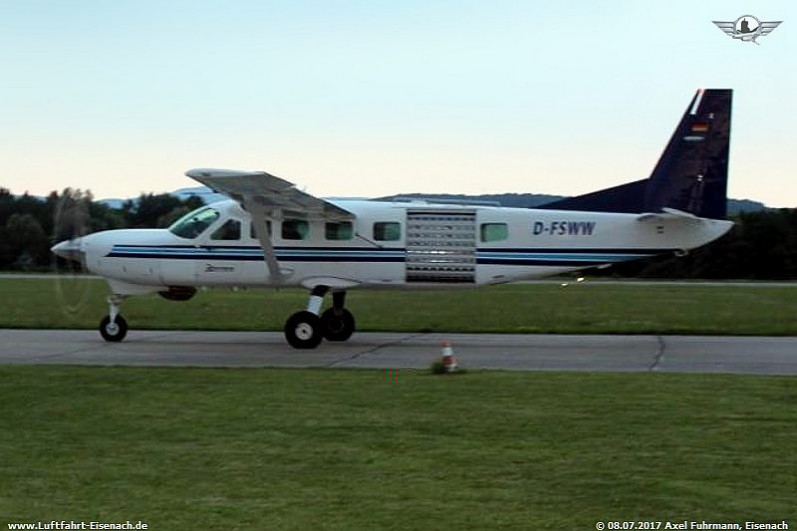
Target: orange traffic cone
{"points": [[449, 361]]}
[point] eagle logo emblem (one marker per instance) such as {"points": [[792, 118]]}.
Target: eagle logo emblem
{"points": [[747, 28]]}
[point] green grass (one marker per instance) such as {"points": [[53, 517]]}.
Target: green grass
{"points": [[536, 308], [310, 449]]}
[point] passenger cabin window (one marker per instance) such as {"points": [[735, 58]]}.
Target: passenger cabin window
{"points": [[295, 229], [253, 234], [494, 232], [230, 231], [339, 231], [387, 231], [194, 223]]}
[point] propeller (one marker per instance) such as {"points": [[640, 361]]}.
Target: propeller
{"points": [[70, 223]]}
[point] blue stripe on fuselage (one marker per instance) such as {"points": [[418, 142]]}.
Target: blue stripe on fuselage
{"points": [[503, 256], [249, 253]]}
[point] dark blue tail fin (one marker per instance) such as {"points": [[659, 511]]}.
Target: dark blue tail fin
{"points": [[691, 175]]}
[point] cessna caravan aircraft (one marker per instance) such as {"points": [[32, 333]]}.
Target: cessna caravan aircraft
{"points": [[269, 234]]}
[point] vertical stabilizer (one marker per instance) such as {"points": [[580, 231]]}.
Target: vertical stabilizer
{"points": [[692, 173]]}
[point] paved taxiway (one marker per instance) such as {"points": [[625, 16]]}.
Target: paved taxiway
{"points": [[751, 355]]}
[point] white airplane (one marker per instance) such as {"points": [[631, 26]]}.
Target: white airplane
{"points": [[269, 234]]}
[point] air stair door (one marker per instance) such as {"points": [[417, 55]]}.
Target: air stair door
{"points": [[441, 246]]}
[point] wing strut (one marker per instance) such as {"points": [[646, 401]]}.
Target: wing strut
{"points": [[258, 213]]}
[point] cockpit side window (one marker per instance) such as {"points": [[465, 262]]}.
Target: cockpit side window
{"points": [[230, 231], [194, 223]]}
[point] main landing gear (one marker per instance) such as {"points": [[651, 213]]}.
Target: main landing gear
{"points": [[113, 327], [306, 329], [303, 330]]}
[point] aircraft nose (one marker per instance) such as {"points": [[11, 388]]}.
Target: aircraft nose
{"points": [[70, 249]]}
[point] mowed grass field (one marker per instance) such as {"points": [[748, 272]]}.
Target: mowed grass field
{"points": [[212, 449], [521, 308], [350, 450]]}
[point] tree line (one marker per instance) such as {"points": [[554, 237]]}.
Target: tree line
{"points": [[762, 245], [30, 225]]}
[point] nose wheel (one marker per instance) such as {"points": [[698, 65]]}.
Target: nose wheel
{"points": [[113, 327], [306, 330], [113, 331]]}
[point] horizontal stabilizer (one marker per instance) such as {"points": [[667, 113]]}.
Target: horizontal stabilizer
{"points": [[669, 214]]}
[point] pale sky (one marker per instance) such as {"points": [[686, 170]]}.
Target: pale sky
{"points": [[367, 98]]}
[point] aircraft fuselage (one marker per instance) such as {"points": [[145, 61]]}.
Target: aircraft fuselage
{"points": [[399, 244]]}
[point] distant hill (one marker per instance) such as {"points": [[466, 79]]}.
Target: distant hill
{"points": [[735, 206], [112, 203], [203, 192], [507, 200], [207, 195]]}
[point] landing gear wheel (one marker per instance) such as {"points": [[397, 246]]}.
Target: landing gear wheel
{"points": [[337, 325], [303, 330], [115, 331]]}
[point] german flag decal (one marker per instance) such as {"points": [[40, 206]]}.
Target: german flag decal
{"points": [[700, 127]]}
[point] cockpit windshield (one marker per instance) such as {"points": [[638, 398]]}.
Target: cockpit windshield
{"points": [[194, 223]]}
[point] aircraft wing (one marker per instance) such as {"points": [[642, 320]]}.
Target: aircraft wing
{"points": [[266, 196], [277, 197]]}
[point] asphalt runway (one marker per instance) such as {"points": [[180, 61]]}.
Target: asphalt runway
{"points": [[699, 354]]}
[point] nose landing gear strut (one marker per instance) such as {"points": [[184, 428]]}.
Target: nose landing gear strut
{"points": [[113, 326]]}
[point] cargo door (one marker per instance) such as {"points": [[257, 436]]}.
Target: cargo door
{"points": [[441, 246]]}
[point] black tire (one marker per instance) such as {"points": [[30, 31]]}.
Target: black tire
{"points": [[113, 332], [303, 330], [337, 325]]}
